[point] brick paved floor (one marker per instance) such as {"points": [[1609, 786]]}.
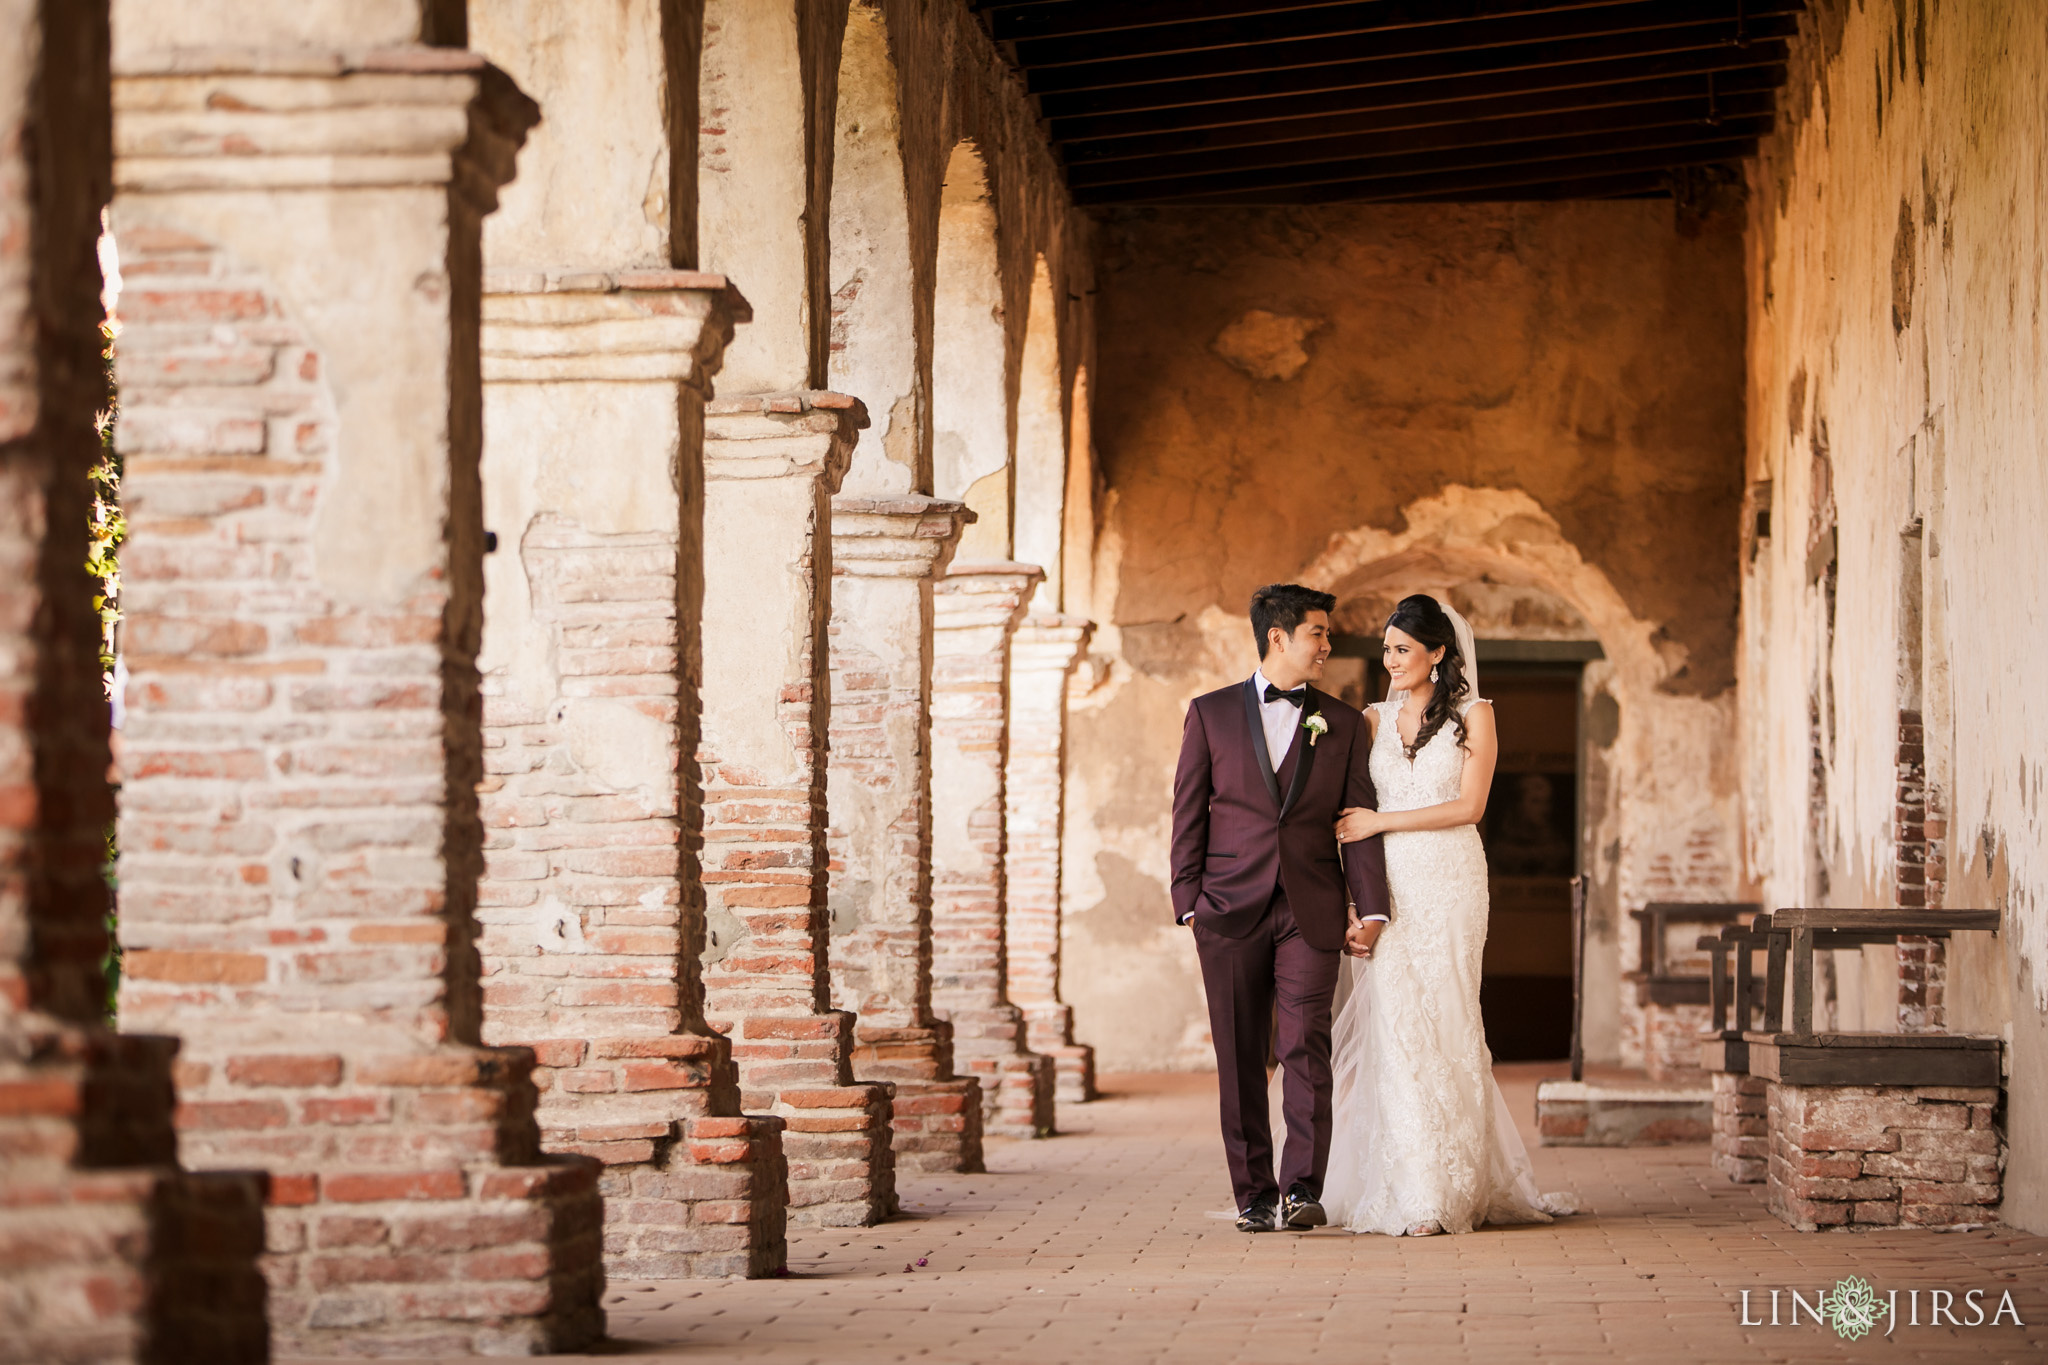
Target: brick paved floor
{"points": [[1095, 1247]]}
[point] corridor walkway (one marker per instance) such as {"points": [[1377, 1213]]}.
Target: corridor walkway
{"points": [[1096, 1246]]}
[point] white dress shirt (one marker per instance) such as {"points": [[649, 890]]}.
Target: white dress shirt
{"points": [[1280, 720]]}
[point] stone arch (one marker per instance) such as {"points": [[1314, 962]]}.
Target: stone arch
{"points": [[970, 414], [1662, 811], [1041, 441], [764, 168], [874, 331]]}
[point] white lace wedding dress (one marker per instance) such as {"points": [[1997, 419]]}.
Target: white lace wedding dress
{"points": [[1420, 1132]]}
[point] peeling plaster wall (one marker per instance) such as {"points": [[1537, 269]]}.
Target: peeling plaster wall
{"points": [[1896, 261], [1535, 403]]}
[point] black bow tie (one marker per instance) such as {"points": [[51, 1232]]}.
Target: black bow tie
{"points": [[1299, 696]]}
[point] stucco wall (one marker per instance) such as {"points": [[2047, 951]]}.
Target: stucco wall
{"points": [[1896, 258], [1379, 399]]}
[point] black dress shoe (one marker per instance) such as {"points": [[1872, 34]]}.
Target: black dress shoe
{"points": [[1260, 1217], [1302, 1209]]}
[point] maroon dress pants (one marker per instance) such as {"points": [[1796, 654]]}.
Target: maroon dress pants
{"points": [[1245, 979]]}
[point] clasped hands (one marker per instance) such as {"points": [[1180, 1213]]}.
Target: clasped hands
{"points": [[1362, 935], [1355, 823]]}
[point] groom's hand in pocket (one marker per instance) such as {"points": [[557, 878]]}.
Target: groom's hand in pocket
{"points": [[1360, 938]]}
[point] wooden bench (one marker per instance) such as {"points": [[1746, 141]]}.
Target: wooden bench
{"points": [[1872, 1129], [1656, 982], [1790, 1050], [1735, 993]]}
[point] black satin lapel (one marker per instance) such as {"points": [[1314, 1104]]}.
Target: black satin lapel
{"points": [[1304, 744], [1251, 718]]}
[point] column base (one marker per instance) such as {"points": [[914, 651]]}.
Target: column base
{"points": [[842, 1172], [1741, 1142], [689, 1192], [717, 1208], [422, 1217], [137, 1264], [1049, 1029], [936, 1128], [1016, 1093], [510, 1264], [112, 1252]]}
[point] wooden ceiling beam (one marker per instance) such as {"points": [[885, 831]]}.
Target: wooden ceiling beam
{"points": [[1490, 181], [1626, 185], [1079, 65], [1030, 20], [1397, 164], [1410, 94], [1734, 91], [1197, 34], [1408, 70], [1689, 114]]}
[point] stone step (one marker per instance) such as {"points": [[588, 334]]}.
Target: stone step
{"points": [[1623, 1114]]}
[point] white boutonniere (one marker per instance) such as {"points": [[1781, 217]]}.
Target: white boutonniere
{"points": [[1317, 727]]}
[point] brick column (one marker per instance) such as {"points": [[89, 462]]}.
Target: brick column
{"points": [[108, 1252], [591, 903], [978, 605], [771, 465], [303, 588], [1042, 657], [1919, 881], [885, 551]]}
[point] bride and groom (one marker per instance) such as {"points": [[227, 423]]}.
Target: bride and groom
{"points": [[1290, 809]]}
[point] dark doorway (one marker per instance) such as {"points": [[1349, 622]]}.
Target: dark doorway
{"points": [[1531, 831]]}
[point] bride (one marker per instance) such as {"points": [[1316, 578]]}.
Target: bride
{"points": [[1422, 1141]]}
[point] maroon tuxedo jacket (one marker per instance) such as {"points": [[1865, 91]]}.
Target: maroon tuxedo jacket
{"points": [[1240, 828]]}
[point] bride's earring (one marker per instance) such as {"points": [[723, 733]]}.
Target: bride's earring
{"points": [[1432, 672]]}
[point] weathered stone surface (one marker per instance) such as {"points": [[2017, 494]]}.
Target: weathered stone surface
{"points": [[1043, 652], [1882, 1155], [300, 841], [598, 353], [978, 607], [885, 554], [772, 463]]}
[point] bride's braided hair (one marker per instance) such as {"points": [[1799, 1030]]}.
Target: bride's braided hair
{"points": [[1422, 618]]}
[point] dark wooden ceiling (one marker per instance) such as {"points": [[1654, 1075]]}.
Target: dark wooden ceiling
{"points": [[1307, 102]]}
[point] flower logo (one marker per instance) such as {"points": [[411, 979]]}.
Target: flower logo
{"points": [[1853, 1308], [1317, 727]]}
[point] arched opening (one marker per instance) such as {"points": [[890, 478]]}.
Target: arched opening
{"points": [[970, 421], [761, 178], [1645, 796], [873, 340], [1041, 443]]}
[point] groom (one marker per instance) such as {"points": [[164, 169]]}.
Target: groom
{"points": [[1266, 765]]}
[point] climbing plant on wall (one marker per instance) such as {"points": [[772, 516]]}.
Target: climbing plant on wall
{"points": [[103, 550]]}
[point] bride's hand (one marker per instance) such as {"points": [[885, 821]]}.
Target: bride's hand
{"points": [[1358, 823]]}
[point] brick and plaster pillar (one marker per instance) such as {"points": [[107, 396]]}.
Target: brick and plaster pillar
{"points": [[978, 605], [771, 465], [300, 231], [599, 351], [885, 552], [591, 906], [108, 1252], [1043, 653]]}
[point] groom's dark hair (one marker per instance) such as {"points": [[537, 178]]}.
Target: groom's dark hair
{"points": [[1285, 605]]}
